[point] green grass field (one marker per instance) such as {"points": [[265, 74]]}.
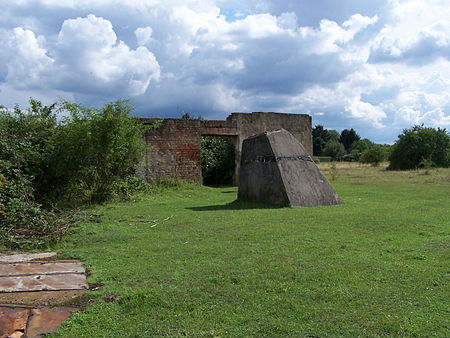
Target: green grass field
{"points": [[191, 263]]}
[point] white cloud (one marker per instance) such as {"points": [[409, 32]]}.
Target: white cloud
{"points": [[418, 31], [366, 111], [143, 35], [26, 61], [90, 32], [91, 53], [86, 57]]}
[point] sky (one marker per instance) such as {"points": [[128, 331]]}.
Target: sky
{"points": [[377, 66]]}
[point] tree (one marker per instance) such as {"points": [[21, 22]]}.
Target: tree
{"points": [[334, 149], [320, 138], [357, 149], [361, 145], [419, 144], [334, 135], [374, 155], [348, 137]]}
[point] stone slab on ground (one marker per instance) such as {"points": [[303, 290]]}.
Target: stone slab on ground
{"points": [[13, 320], [276, 169], [42, 321], [49, 282], [40, 268], [27, 285], [29, 322], [25, 257]]}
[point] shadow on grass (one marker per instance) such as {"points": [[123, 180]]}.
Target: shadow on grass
{"points": [[235, 205]]}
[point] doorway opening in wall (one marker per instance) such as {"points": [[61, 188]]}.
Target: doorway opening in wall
{"points": [[218, 160]]}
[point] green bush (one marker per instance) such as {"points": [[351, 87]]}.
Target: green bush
{"points": [[419, 144], [217, 155], [24, 140], [92, 151], [373, 155], [89, 156], [334, 149]]}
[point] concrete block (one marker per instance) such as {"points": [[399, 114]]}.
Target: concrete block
{"points": [[276, 169]]}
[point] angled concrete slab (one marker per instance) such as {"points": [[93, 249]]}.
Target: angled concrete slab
{"points": [[276, 169]]}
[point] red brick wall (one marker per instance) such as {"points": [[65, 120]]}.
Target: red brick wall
{"points": [[175, 150]]}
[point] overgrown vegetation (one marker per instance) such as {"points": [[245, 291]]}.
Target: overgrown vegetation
{"points": [[46, 164], [218, 158], [421, 147]]}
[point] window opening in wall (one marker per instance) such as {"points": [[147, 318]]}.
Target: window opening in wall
{"points": [[218, 160]]}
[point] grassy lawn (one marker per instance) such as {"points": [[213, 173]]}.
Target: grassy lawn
{"points": [[190, 262]]}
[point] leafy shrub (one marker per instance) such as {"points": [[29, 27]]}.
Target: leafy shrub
{"points": [[335, 149], [373, 155], [24, 140], [333, 171], [419, 144], [217, 160], [87, 157], [92, 151], [25, 135]]}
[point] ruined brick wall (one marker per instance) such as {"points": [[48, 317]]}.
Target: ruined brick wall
{"points": [[175, 145], [174, 150]]}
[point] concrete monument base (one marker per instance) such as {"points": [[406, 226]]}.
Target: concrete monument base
{"points": [[276, 169]]}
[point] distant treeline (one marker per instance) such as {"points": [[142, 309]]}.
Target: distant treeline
{"points": [[416, 147]]}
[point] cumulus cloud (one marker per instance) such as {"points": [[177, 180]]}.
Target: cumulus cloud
{"points": [[366, 111], [86, 57], [143, 35], [91, 55], [26, 62], [418, 33]]}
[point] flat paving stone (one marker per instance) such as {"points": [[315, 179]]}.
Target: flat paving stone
{"points": [[40, 268], [27, 285], [43, 321], [51, 282], [29, 322], [25, 257], [12, 320]]}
